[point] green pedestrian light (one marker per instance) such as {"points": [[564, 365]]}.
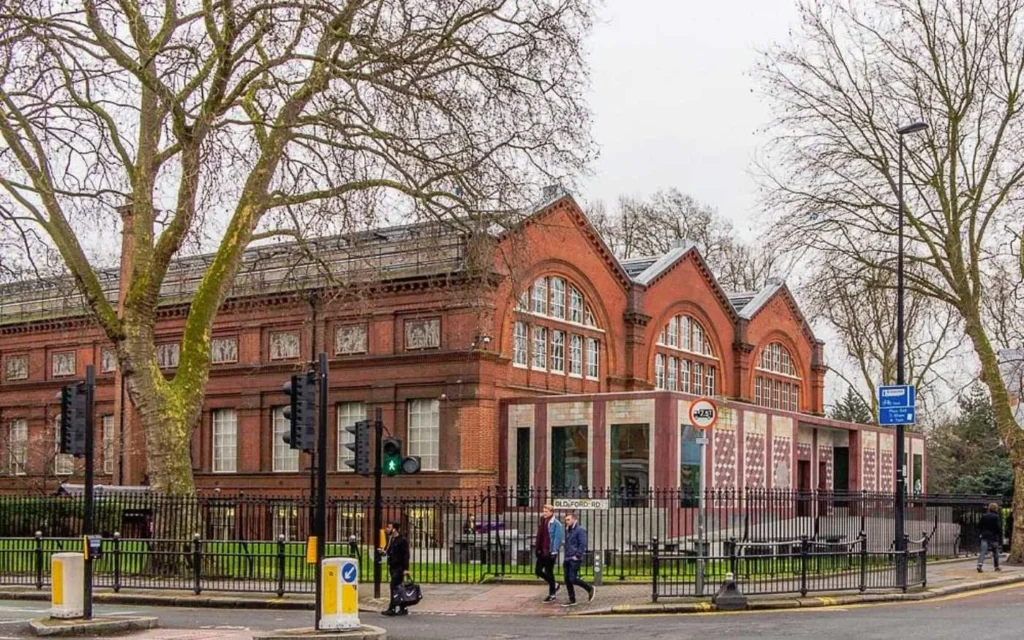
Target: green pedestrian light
{"points": [[392, 452]]}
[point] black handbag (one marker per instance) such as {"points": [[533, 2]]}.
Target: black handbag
{"points": [[408, 594]]}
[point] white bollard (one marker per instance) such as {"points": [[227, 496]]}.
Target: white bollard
{"points": [[339, 594], [67, 575]]}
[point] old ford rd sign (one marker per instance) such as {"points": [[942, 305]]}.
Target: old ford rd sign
{"points": [[703, 413]]}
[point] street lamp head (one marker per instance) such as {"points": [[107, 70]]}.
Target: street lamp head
{"points": [[913, 127]]}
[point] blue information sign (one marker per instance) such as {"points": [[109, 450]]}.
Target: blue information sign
{"points": [[896, 405]]}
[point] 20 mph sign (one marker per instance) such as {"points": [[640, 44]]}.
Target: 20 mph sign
{"points": [[703, 413]]}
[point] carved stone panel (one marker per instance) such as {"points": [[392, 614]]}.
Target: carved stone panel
{"points": [[16, 368], [350, 339], [167, 355], [284, 345], [224, 350], [63, 364], [108, 360], [423, 334]]}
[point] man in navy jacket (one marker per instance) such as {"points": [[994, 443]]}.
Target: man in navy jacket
{"points": [[575, 550]]}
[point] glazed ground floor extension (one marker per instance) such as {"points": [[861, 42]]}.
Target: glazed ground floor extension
{"points": [[629, 441]]}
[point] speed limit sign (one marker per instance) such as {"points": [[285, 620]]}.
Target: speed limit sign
{"points": [[703, 413]]}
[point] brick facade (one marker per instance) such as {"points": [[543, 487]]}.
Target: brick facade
{"points": [[443, 345]]}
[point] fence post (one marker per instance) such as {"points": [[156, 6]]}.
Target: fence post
{"points": [[39, 559], [863, 561], [734, 562], [654, 569], [924, 563], [905, 562], [117, 561], [197, 562], [353, 548], [490, 532], [280, 565], [803, 564]]}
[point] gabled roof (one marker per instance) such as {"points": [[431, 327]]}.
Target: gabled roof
{"points": [[646, 270], [748, 303]]}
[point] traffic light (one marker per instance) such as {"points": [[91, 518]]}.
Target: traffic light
{"points": [[393, 462], [301, 413], [72, 419], [360, 446]]}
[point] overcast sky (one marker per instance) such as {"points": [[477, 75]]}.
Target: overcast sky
{"points": [[674, 101]]}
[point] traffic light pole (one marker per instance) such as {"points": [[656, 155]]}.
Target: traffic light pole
{"points": [[90, 386], [321, 481], [378, 500]]}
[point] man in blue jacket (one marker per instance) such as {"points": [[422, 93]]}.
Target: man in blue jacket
{"points": [[575, 550], [546, 544]]}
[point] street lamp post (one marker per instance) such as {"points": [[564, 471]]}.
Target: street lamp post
{"points": [[901, 379]]}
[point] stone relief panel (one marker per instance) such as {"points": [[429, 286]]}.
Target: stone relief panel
{"points": [[224, 350], [167, 355], [422, 334], [284, 345], [108, 360], [350, 339], [16, 368], [63, 364]]}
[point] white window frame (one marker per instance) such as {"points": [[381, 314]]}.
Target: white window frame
{"points": [[284, 459], [576, 356], [349, 413], [557, 351], [17, 447], [107, 422], [557, 304], [673, 332], [684, 376], [593, 359], [224, 441], [659, 371], [575, 305], [520, 344], [539, 360], [671, 374], [539, 303], [697, 369], [424, 432], [710, 379], [63, 463]]}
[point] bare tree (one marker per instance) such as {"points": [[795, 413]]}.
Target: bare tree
{"points": [[652, 226], [854, 72], [192, 121], [859, 303]]}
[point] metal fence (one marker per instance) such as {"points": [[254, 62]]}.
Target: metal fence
{"points": [[249, 543], [790, 566]]}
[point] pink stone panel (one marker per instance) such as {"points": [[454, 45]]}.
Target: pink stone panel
{"points": [[782, 463]]}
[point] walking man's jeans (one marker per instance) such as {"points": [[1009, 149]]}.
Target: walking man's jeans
{"points": [[572, 578], [985, 546], [546, 572], [396, 581]]}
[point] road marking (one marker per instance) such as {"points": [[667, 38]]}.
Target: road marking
{"points": [[16, 621], [705, 607]]}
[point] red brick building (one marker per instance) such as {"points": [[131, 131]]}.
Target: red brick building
{"points": [[467, 343]]}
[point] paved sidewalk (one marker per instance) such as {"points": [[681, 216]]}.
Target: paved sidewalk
{"points": [[526, 599]]}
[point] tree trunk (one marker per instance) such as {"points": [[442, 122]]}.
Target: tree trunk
{"points": [[1005, 421]]}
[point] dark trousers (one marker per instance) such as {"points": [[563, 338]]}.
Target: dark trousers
{"points": [[572, 578], [396, 581], [546, 572]]}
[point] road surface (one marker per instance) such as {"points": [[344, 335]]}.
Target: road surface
{"points": [[992, 614]]}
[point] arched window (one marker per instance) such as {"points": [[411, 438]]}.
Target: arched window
{"points": [[777, 381], [555, 330], [684, 359]]}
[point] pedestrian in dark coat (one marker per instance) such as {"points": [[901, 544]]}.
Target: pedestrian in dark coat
{"points": [[575, 551], [397, 552], [991, 530]]}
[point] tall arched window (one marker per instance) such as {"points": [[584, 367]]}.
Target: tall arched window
{"points": [[777, 381], [684, 359], [555, 330]]}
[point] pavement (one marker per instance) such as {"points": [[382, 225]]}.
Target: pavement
{"points": [[944, 578]]}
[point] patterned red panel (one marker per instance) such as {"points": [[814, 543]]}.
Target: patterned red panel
{"points": [[870, 470], [803, 450], [887, 471], [782, 463], [753, 461], [724, 469]]}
